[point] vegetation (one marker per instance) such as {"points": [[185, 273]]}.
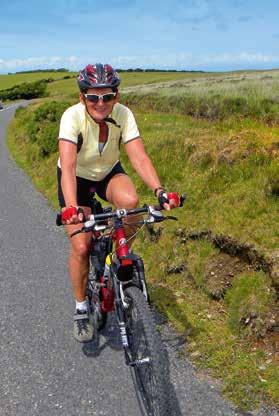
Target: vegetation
{"points": [[9, 81], [227, 163], [129, 79], [25, 91], [250, 299], [215, 98], [42, 126], [210, 107], [35, 71]]}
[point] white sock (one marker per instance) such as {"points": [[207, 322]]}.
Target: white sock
{"points": [[81, 306]]}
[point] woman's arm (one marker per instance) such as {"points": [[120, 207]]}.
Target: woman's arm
{"points": [[142, 163], [68, 160]]}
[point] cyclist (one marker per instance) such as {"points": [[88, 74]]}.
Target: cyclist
{"points": [[89, 139]]}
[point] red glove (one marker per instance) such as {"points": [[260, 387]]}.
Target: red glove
{"points": [[69, 212], [174, 199], [170, 198]]}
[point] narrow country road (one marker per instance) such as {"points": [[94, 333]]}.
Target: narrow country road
{"points": [[44, 371]]}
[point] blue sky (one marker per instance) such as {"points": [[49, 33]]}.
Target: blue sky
{"points": [[169, 34]]}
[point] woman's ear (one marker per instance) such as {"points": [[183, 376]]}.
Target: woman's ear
{"points": [[81, 98]]}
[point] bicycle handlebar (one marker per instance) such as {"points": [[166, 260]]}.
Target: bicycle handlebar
{"points": [[121, 213]]}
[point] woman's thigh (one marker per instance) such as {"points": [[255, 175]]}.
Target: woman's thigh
{"points": [[121, 192]]}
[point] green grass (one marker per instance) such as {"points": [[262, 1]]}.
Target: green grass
{"points": [[229, 170], [248, 374], [213, 96], [250, 300], [8, 81], [69, 87]]}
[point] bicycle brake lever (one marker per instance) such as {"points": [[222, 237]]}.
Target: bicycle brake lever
{"points": [[157, 216], [170, 217]]}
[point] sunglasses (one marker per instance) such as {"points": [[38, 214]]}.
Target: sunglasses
{"points": [[94, 98]]}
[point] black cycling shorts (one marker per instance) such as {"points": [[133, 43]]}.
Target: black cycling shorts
{"points": [[85, 187]]}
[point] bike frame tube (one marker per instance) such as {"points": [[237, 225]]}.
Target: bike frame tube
{"points": [[122, 248], [121, 318]]}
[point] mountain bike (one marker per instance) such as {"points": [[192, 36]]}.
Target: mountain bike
{"points": [[117, 284]]}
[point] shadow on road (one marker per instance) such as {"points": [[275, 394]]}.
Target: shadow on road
{"points": [[174, 408], [109, 337]]}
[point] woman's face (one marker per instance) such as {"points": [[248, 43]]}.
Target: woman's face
{"points": [[100, 109]]}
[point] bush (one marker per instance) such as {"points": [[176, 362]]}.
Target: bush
{"points": [[43, 126], [210, 106], [27, 91], [47, 139]]}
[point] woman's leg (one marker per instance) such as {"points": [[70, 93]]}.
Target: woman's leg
{"points": [[79, 258], [121, 192]]}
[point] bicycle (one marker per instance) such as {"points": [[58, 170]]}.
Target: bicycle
{"points": [[117, 283]]}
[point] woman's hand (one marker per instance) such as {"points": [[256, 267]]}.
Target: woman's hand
{"points": [[72, 215], [168, 200]]}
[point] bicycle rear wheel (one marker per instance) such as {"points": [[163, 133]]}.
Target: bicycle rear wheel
{"points": [[147, 354]]}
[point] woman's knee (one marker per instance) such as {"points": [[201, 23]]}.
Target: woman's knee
{"points": [[130, 201], [80, 250], [121, 192], [125, 200]]}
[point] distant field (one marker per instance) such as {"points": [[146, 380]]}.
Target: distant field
{"points": [[166, 83], [8, 81], [252, 93], [214, 83], [171, 83], [129, 79]]}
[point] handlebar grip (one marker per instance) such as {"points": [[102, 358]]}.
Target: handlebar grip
{"points": [[59, 219], [183, 197], [158, 208]]}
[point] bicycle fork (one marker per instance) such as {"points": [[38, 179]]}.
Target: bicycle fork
{"points": [[120, 305]]}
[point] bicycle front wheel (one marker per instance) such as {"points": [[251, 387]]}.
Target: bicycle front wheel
{"points": [[149, 366]]}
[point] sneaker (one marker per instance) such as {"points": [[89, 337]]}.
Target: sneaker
{"points": [[83, 328]]}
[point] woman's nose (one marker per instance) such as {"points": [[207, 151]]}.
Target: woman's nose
{"points": [[100, 101]]}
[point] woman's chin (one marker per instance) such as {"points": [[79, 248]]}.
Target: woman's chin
{"points": [[99, 116]]}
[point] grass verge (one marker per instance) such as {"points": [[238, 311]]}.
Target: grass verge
{"points": [[229, 169]]}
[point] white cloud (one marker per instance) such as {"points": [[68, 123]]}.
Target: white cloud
{"points": [[188, 60], [167, 61], [240, 58], [42, 62]]}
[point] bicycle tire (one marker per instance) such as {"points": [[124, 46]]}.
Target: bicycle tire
{"points": [[145, 343]]}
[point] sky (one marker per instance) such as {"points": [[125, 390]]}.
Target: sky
{"points": [[207, 35]]}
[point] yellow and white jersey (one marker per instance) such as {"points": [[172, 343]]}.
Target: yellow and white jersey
{"points": [[78, 127]]}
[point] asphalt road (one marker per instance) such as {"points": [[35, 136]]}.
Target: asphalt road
{"points": [[44, 371]]}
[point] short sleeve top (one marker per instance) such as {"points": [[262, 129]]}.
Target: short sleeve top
{"points": [[78, 127]]}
